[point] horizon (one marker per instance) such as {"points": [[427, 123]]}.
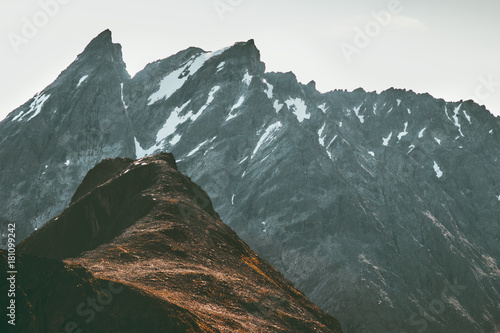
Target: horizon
{"points": [[422, 47]]}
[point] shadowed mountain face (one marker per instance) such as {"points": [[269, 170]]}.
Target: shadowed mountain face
{"points": [[144, 242], [51, 142], [383, 208]]}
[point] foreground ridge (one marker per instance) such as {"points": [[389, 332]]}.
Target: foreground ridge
{"points": [[145, 241]]}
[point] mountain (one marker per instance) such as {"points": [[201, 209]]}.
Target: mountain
{"points": [[141, 249], [382, 207], [49, 143]]}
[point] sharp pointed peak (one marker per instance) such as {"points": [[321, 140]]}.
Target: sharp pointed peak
{"points": [[101, 40], [102, 48], [249, 43]]}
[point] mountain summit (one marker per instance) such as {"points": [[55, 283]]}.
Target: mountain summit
{"points": [[382, 207], [145, 242]]}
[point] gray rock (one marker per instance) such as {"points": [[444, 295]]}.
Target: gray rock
{"points": [[383, 208]]}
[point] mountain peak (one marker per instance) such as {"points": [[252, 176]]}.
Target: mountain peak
{"points": [[154, 231], [102, 47], [104, 39], [248, 53]]}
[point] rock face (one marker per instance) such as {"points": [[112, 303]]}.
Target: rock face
{"points": [[383, 208], [144, 242], [49, 143]]}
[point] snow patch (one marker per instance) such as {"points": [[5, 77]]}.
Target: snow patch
{"points": [[140, 152], [208, 150], [399, 102], [404, 133], [277, 106], [232, 200], [356, 111], [334, 138], [192, 152], [320, 131], [299, 108], [167, 130], [176, 79], [67, 162], [437, 140], [411, 147], [323, 107], [123, 101], [498, 197], [409, 111], [320, 135], [385, 141], [421, 133], [491, 132], [269, 90], [234, 107], [371, 153], [340, 124], [220, 67], [175, 139], [238, 103], [467, 117], [35, 107], [243, 160], [209, 101], [230, 116], [172, 122], [437, 169], [267, 136], [455, 119], [328, 145], [247, 78], [81, 80]]}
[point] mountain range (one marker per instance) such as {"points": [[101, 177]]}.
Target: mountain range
{"points": [[381, 207]]}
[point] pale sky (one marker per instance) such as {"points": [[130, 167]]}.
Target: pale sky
{"points": [[448, 48]]}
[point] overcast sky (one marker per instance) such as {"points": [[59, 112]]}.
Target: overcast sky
{"points": [[449, 48]]}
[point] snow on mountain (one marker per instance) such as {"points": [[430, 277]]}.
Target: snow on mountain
{"points": [[370, 227]]}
